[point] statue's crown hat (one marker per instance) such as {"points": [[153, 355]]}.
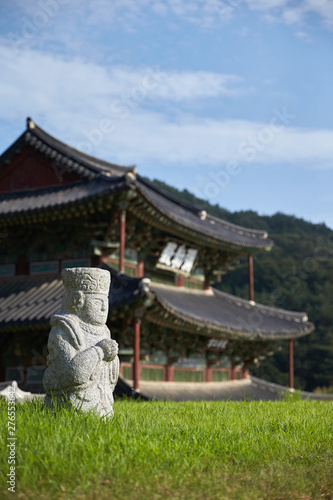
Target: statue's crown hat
{"points": [[86, 279]]}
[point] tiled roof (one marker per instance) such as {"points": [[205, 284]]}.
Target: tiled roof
{"points": [[29, 300], [170, 214], [191, 217], [72, 159], [217, 313], [21, 202]]}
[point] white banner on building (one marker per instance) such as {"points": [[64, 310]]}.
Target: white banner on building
{"points": [[216, 344], [177, 258]]}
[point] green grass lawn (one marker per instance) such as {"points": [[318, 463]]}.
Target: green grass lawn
{"points": [[155, 450]]}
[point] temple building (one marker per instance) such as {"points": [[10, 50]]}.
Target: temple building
{"points": [[61, 208]]}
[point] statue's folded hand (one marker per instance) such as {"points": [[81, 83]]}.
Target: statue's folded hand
{"points": [[109, 348]]}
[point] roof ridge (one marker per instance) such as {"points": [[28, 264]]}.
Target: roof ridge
{"points": [[88, 161], [197, 210], [168, 195], [199, 219], [271, 309], [258, 232], [183, 289]]}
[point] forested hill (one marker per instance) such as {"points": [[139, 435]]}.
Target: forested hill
{"points": [[297, 274]]}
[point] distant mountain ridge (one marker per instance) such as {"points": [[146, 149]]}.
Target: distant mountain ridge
{"points": [[296, 275]]}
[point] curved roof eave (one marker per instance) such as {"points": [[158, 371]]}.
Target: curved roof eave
{"points": [[217, 313], [28, 300], [22, 203], [192, 219], [184, 217], [72, 159]]}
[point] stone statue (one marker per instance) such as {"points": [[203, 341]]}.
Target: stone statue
{"points": [[82, 365]]}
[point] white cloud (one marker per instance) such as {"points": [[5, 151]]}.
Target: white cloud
{"points": [[179, 86], [198, 142], [297, 13], [303, 36], [323, 8], [293, 16], [57, 80], [76, 22], [269, 81], [264, 5], [71, 99]]}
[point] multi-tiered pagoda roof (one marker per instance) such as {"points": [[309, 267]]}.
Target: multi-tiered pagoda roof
{"points": [[49, 188]]}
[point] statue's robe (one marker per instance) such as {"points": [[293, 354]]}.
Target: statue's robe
{"points": [[76, 372]]}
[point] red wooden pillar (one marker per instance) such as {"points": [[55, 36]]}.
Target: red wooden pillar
{"points": [[245, 371], [251, 280], [22, 266], [122, 241], [169, 370], [208, 371], [206, 285], [136, 360], [140, 268], [291, 364], [233, 371], [179, 280]]}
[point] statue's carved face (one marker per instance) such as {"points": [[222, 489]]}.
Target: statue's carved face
{"points": [[94, 309]]}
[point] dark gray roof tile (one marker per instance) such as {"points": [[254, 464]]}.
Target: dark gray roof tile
{"points": [[184, 217], [229, 316], [188, 216], [33, 299], [20, 202]]}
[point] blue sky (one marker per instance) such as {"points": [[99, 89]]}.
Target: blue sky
{"points": [[229, 99]]}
